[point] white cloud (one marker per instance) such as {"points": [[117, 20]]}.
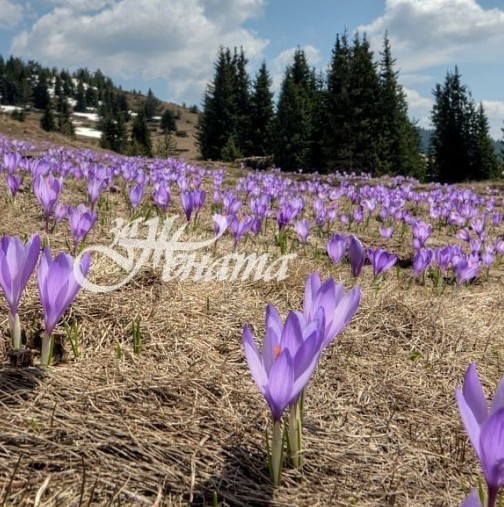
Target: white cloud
{"points": [[426, 33], [11, 13], [494, 110], [176, 40]]}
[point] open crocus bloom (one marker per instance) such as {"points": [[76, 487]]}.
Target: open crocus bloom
{"points": [[339, 306], [290, 353], [485, 427]]}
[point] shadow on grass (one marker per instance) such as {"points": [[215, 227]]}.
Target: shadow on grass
{"points": [[17, 384], [244, 482]]}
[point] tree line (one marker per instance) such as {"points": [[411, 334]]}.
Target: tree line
{"points": [[351, 117], [58, 93]]}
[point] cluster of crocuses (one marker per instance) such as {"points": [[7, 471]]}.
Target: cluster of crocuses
{"points": [[380, 259], [335, 202], [290, 353], [59, 281], [485, 426]]}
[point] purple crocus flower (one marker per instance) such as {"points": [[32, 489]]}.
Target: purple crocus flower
{"points": [[485, 428], [161, 196], [422, 260], [187, 200], [386, 232], [95, 187], [17, 262], [466, 269], [336, 247], [302, 227], [381, 260], [136, 193], [240, 227], [81, 221], [199, 196], [13, 183], [289, 355], [58, 283], [221, 223], [421, 232], [47, 190], [356, 254], [339, 306]]}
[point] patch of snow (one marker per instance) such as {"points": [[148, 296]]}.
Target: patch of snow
{"points": [[10, 109], [88, 116], [88, 132]]}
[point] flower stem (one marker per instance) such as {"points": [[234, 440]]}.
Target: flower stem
{"points": [[277, 453], [15, 330], [47, 349], [295, 434]]}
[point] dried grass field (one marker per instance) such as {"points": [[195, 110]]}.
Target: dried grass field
{"points": [[181, 422]]}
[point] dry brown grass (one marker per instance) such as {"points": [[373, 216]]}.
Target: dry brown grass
{"points": [[183, 421]]}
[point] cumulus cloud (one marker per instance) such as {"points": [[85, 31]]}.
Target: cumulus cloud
{"points": [[11, 13], [425, 33], [494, 110], [176, 40]]}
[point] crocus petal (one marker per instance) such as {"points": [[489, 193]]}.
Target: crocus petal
{"points": [[472, 500], [311, 287], [271, 342], [292, 334], [342, 314], [470, 422], [254, 360], [498, 399], [280, 383], [492, 449], [474, 395]]}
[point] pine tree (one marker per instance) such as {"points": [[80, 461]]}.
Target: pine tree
{"points": [[80, 97], [150, 105], [242, 111], [114, 133], [455, 152], [168, 122], [217, 121], [141, 143], [65, 125], [399, 148], [338, 139], [261, 113], [47, 121], [294, 118], [40, 92], [364, 99], [484, 161]]}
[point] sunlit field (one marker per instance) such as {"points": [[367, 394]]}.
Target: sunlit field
{"points": [[148, 397]]}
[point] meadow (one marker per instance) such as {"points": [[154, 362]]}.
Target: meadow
{"points": [[149, 399]]}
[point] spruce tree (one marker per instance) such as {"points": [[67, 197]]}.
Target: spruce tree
{"points": [[242, 106], [40, 92], [217, 121], [80, 97], [454, 150], [364, 99], [141, 143], [261, 113], [399, 148], [338, 140], [65, 125], [484, 161], [168, 122], [294, 118], [47, 121]]}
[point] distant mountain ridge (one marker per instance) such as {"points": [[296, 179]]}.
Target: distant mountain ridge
{"points": [[425, 135]]}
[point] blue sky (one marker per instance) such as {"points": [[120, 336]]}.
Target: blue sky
{"points": [[171, 45]]}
